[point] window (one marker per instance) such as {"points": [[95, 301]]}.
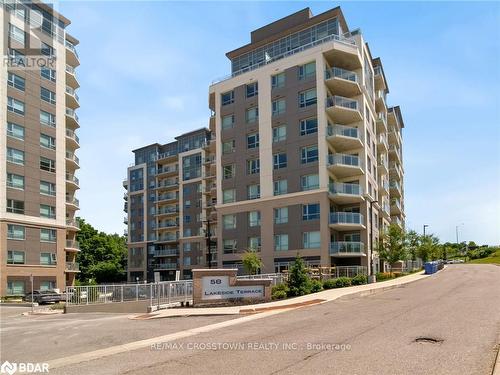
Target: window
{"points": [[252, 114], [15, 288], [15, 181], [307, 70], [227, 122], [47, 164], [309, 182], [48, 235], [309, 154], [310, 211], [47, 50], [16, 33], [278, 80], [15, 232], [307, 98], [228, 146], [187, 203], [281, 242], [230, 246], [187, 219], [49, 74], [15, 156], [252, 89], [229, 221], [279, 107], [280, 187], [228, 171], [281, 215], [253, 191], [15, 131], [254, 218], [16, 106], [279, 160], [47, 95], [47, 285], [311, 240], [227, 98], [254, 243], [16, 81], [47, 141], [308, 126], [187, 232], [228, 195], [15, 257], [47, 118], [279, 133], [17, 57], [48, 259], [15, 207], [253, 166], [47, 188], [252, 140], [47, 211]]}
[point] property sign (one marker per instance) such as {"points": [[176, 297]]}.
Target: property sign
{"points": [[217, 288]]}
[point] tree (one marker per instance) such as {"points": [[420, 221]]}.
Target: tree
{"points": [[413, 242], [299, 282], [102, 256], [429, 248], [392, 245], [251, 261]]}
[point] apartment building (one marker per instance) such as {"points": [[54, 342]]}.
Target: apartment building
{"points": [[38, 143], [170, 208], [308, 153]]}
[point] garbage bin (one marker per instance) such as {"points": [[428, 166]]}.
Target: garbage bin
{"points": [[430, 268]]}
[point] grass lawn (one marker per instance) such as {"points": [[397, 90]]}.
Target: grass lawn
{"points": [[493, 258]]}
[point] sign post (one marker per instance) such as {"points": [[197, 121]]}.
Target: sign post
{"points": [[31, 280]]}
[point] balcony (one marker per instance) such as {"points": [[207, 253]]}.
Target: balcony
{"points": [[72, 245], [395, 188], [343, 110], [73, 202], [72, 118], [344, 193], [396, 208], [395, 138], [72, 267], [395, 152], [72, 100], [173, 154], [380, 100], [386, 210], [166, 198], [343, 137], [383, 186], [166, 253], [167, 184], [72, 224], [383, 166], [343, 165], [167, 170], [343, 82], [169, 210], [379, 78], [209, 188], [71, 79], [396, 220], [209, 160], [346, 221], [395, 171], [168, 237], [72, 139], [209, 143], [165, 266], [73, 160], [72, 181], [342, 249], [125, 220], [382, 122], [71, 54], [168, 225], [382, 145]]}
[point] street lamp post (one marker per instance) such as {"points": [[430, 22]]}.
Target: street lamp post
{"points": [[371, 276], [208, 244], [425, 226]]}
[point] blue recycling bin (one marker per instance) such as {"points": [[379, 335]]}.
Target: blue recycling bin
{"points": [[430, 267]]}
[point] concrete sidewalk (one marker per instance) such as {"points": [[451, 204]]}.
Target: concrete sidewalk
{"points": [[288, 304]]}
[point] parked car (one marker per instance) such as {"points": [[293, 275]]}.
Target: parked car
{"points": [[44, 296]]}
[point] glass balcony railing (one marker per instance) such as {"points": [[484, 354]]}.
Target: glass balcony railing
{"points": [[73, 201], [71, 47], [72, 244], [344, 159], [71, 113], [342, 130], [340, 101], [72, 92], [395, 185], [168, 237], [165, 197], [167, 169], [72, 266], [346, 218], [72, 135], [165, 266], [71, 156], [345, 188], [168, 210], [168, 224], [377, 70], [166, 252], [335, 72], [347, 247], [72, 178], [72, 223]]}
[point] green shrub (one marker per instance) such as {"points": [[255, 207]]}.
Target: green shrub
{"points": [[329, 284], [359, 280], [382, 276], [299, 282], [279, 291], [316, 286], [342, 282]]}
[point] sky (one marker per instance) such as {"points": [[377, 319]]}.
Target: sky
{"points": [[146, 68]]}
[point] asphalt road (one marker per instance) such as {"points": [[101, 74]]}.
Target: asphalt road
{"points": [[458, 307]]}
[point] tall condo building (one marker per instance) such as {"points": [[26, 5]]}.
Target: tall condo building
{"points": [[308, 154], [170, 202], [38, 142]]}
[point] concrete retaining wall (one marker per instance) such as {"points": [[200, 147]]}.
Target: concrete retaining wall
{"points": [[113, 307]]}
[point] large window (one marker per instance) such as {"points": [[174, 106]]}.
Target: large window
{"points": [[280, 187], [47, 141], [281, 215], [253, 191], [15, 257], [279, 107], [307, 70], [47, 188], [311, 240], [47, 118], [228, 171], [252, 114], [191, 166], [254, 243], [48, 235], [254, 218], [230, 246], [278, 80], [227, 122], [281, 242], [228, 146], [279, 133], [48, 259], [307, 98], [309, 154], [47, 211], [252, 140], [15, 131], [253, 166], [15, 156], [47, 95], [309, 182], [49, 74], [15, 207], [252, 89], [229, 221], [16, 106], [16, 81], [279, 160], [15, 181], [15, 232], [228, 196], [47, 285], [16, 34], [308, 126], [47, 164], [227, 98], [15, 288], [310, 211]]}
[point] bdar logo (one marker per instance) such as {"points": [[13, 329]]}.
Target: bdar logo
{"points": [[8, 368]]}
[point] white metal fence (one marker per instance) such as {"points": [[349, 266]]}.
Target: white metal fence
{"points": [[277, 278]]}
